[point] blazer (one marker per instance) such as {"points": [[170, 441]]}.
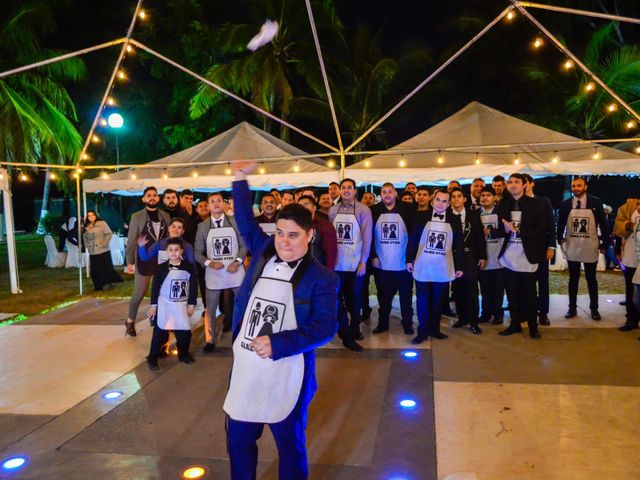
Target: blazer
{"points": [[595, 205], [415, 232], [200, 248], [315, 294], [533, 226], [475, 245], [550, 237], [138, 226]]}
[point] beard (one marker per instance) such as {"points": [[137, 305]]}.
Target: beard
{"points": [[151, 204]]}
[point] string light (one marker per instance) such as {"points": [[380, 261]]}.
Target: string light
{"points": [[95, 139], [367, 163], [23, 177], [568, 65], [538, 42], [133, 176], [103, 122], [121, 74], [596, 154], [555, 158], [85, 156], [477, 159], [75, 175], [402, 163], [296, 167], [262, 169], [129, 49], [142, 14], [517, 159], [511, 15], [228, 169], [104, 176], [630, 125], [52, 176], [1, 176], [440, 157], [78, 170], [331, 163], [637, 151], [193, 472], [165, 175], [194, 174], [589, 87], [612, 107], [110, 101]]}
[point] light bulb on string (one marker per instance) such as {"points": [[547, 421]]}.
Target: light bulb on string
{"points": [[596, 154], [262, 169], [121, 74], [195, 173], [95, 139], [104, 176], [85, 156], [612, 107], [23, 177], [630, 125], [331, 163], [511, 15], [402, 163], [103, 122], [589, 87], [638, 149], [111, 101], [296, 167], [517, 159], [477, 159], [228, 169], [142, 14], [1, 176], [75, 175], [440, 158], [130, 49], [133, 176], [568, 65], [165, 175], [367, 163], [53, 176], [555, 158], [538, 42]]}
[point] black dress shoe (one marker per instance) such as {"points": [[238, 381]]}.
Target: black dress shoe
{"points": [[352, 345], [498, 321], [408, 330], [535, 334], [130, 329], [543, 319], [459, 324], [623, 303], [476, 330], [419, 339], [484, 320], [366, 314], [209, 347], [510, 330], [448, 312], [163, 353], [152, 364], [379, 329], [571, 314], [186, 359], [358, 335], [595, 314], [439, 335], [627, 327]]}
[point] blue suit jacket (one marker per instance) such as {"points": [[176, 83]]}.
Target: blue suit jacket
{"points": [[315, 293]]}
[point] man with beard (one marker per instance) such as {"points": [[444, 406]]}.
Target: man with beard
{"points": [[473, 202], [411, 188], [499, 186], [172, 207], [324, 204], [267, 219], [152, 224]]}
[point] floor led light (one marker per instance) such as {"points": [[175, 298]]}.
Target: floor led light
{"points": [[112, 395], [194, 472], [408, 403], [410, 354], [14, 463]]}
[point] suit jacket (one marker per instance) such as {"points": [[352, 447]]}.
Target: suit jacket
{"points": [[533, 226], [315, 293], [200, 249], [475, 246], [137, 226], [595, 205], [550, 237], [415, 232]]}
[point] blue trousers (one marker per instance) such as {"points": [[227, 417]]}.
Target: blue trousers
{"points": [[289, 435]]}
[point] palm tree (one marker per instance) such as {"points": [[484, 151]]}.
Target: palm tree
{"points": [[269, 76], [36, 112]]}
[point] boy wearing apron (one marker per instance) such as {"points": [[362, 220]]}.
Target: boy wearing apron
{"points": [[221, 251], [285, 309], [435, 255], [352, 221], [582, 233], [174, 293], [492, 275], [391, 223]]}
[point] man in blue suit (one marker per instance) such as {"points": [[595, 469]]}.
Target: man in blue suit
{"points": [[273, 375]]}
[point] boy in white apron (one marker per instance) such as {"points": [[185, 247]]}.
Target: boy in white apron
{"points": [[582, 233], [221, 251], [492, 275], [174, 293], [435, 254], [285, 309]]}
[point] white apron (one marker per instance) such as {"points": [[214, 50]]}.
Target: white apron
{"points": [[222, 246], [494, 245], [513, 257], [434, 260], [390, 237], [349, 241], [264, 390], [268, 228], [629, 257], [172, 301], [581, 236]]}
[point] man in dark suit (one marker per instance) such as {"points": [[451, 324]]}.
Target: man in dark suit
{"points": [[582, 233], [465, 289], [525, 227]]}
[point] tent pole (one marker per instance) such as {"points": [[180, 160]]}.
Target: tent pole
{"points": [[11, 241], [79, 227], [84, 208], [342, 164]]}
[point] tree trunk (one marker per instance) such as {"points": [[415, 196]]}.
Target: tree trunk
{"points": [[45, 201]]}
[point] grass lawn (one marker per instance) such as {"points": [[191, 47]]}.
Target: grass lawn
{"points": [[45, 288]]}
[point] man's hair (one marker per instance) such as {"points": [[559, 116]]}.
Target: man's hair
{"points": [[274, 190], [308, 197], [407, 184], [186, 191], [144, 192], [442, 190], [488, 189], [297, 214], [178, 220], [311, 189], [202, 200], [528, 177], [454, 181], [267, 195], [285, 192], [478, 179], [580, 178], [213, 194], [498, 178], [169, 191], [389, 184], [344, 180], [175, 241], [522, 178], [424, 189], [334, 183], [457, 189]]}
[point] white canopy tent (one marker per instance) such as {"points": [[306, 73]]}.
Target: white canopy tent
{"points": [[479, 141], [205, 166], [11, 241]]}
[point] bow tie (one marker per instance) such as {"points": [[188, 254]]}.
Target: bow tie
{"points": [[293, 264], [437, 215]]}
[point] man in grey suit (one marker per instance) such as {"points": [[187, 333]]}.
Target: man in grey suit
{"points": [[151, 223], [220, 249]]}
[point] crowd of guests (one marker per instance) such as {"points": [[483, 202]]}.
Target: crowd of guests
{"points": [[451, 245]]}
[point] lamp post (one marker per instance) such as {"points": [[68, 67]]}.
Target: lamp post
{"points": [[116, 122]]}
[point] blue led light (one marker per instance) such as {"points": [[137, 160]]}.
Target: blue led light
{"points": [[407, 403], [409, 354], [609, 300], [111, 395], [14, 463]]}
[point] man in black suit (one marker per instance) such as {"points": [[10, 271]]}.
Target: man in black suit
{"points": [[465, 289], [582, 233], [525, 227], [550, 241]]}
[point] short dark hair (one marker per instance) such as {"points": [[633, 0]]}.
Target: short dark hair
{"points": [[308, 197], [478, 179], [267, 195], [457, 189], [170, 191], [389, 184], [488, 189], [407, 184], [453, 181], [274, 190], [311, 189], [348, 180], [528, 177], [186, 191], [297, 214], [580, 178], [174, 241], [442, 190], [334, 183], [520, 176], [285, 192], [144, 192], [498, 178], [213, 194], [202, 200], [424, 189], [179, 220]]}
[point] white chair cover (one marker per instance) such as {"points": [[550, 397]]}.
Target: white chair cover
{"points": [[54, 258], [72, 256], [115, 246]]}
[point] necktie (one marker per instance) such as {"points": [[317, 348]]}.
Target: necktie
{"points": [[291, 264], [218, 222], [437, 215], [579, 204]]}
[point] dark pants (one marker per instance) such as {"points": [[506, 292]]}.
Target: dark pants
{"points": [[349, 304], [202, 284], [446, 299], [226, 307], [465, 294], [387, 284], [492, 290], [366, 309], [633, 315], [592, 284], [636, 296], [429, 306], [289, 435], [161, 337], [521, 293], [542, 276]]}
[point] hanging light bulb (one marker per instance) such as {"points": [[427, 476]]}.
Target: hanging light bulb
{"points": [[121, 74], [517, 160], [596, 154], [538, 42], [53, 176], [129, 49], [638, 149], [477, 159], [228, 169], [142, 14], [85, 156], [589, 87], [262, 169], [555, 158], [165, 175], [111, 101], [630, 125], [195, 174], [568, 64], [612, 107], [75, 175], [95, 139], [296, 167], [331, 163], [103, 122], [104, 176], [440, 158], [23, 177], [367, 163], [511, 15], [78, 170], [133, 176]]}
